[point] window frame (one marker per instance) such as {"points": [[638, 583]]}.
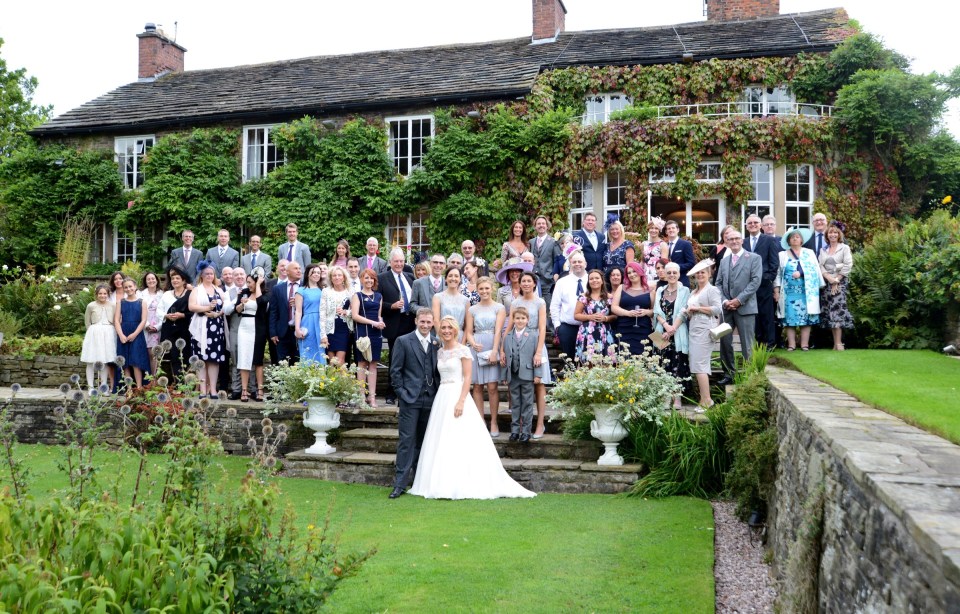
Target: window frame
{"points": [[794, 208], [410, 222], [412, 162], [619, 187], [756, 205], [709, 164], [579, 207], [782, 105], [121, 157], [265, 164], [604, 98]]}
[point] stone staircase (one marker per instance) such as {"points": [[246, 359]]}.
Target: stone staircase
{"points": [[366, 453]]}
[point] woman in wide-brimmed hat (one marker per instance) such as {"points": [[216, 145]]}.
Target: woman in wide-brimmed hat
{"points": [[703, 309], [509, 278], [797, 287]]}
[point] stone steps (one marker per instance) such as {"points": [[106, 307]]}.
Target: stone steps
{"points": [[537, 474]]}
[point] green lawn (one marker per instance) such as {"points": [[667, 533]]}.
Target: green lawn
{"points": [[919, 386], [553, 553]]}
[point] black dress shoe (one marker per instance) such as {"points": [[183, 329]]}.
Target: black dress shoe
{"points": [[726, 380], [234, 396], [390, 401], [514, 436], [396, 492], [524, 438]]}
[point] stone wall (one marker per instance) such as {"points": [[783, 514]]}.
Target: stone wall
{"points": [[891, 518], [39, 371], [35, 422]]}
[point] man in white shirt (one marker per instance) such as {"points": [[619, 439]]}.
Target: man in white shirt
{"points": [[396, 287], [281, 314], [371, 260], [565, 294], [222, 255], [819, 238], [353, 270], [428, 285], [293, 250], [593, 243], [470, 255], [255, 258], [186, 257]]}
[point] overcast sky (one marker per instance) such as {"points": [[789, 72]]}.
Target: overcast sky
{"points": [[81, 50]]}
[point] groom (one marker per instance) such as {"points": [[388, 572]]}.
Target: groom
{"points": [[414, 376]]}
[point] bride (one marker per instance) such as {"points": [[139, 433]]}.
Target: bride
{"points": [[457, 458]]}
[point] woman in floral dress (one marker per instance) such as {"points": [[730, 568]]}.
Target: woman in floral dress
{"points": [[595, 337], [654, 248]]}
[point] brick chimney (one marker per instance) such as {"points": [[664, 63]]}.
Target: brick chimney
{"points": [[548, 20], [741, 10], [158, 54]]}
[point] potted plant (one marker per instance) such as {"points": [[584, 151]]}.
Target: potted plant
{"points": [[614, 389], [322, 388]]}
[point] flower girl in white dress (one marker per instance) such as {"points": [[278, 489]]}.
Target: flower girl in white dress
{"points": [[457, 459]]}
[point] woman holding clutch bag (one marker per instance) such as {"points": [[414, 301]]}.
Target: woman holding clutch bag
{"points": [[484, 323], [703, 308]]}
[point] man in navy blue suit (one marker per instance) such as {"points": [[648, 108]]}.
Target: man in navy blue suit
{"points": [[281, 314], [767, 248], [593, 243], [679, 251]]}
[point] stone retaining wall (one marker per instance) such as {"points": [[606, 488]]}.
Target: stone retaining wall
{"points": [[39, 371], [35, 422], [891, 516]]}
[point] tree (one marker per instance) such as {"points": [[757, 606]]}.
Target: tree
{"points": [[18, 114]]}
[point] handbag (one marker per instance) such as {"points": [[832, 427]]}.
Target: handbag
{"points": [[720, 331], [484, 359], [363, 343]]}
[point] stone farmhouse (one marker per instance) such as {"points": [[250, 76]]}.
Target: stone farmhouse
{"points": [[403, 88]]}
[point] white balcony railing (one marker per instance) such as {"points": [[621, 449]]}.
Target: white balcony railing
{"points": [[742, 109]]}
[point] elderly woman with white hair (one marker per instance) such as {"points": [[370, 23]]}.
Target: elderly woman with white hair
{"points": [[704, 311], [796, 289], [620, 250], [668, 314]]}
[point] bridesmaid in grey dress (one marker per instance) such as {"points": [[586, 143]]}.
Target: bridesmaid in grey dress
{"points": [[704, 307], [482, 334], [451, 302]]}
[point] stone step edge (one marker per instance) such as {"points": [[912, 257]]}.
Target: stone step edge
{"points": [[393, 434], [377, 458]]}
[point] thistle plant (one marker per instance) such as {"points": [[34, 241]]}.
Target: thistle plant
{"points": [[19, 475]]}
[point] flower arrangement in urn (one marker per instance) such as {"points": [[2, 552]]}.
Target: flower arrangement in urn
{"points": [[632, 387], [307, 379], [614, 389]]}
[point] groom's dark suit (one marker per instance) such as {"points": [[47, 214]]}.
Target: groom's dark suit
{"points": [[414, 376]]}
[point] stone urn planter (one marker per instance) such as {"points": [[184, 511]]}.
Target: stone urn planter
{"points": [[608, 428], [320, 417]]}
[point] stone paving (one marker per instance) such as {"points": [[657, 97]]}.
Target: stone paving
{"points": [[891, 537]]}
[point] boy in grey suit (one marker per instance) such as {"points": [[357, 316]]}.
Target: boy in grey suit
{"points": [[519, 345], [738, 278]]}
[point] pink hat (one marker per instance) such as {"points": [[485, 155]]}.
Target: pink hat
{"points": [[570, 250]]}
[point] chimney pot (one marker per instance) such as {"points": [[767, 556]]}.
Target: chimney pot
{"points": [[549, 20], [741, 10], [158, 54]]}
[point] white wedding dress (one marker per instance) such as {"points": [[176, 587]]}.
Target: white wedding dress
{"points": [[458, 459]]}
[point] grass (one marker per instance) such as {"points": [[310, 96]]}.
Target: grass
{"points": [[552, 553], [919, 386]]}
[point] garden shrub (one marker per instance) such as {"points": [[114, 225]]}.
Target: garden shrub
{"points": [[41, 303], [904, 281], [30, 347], [752, 442]]}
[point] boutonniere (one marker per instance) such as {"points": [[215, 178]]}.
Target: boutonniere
{"points": [[526, 334], [435, 343]]}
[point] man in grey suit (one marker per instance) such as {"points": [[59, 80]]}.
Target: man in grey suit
{"points": [[371, 260], [222, 255], [738, 278], [186, 257], [428, 285], [255, 258], [414, 375], [293, 250], [545, 250]]}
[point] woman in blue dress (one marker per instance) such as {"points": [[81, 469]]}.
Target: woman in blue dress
{"points": [[130, 320], [365, 308], [482, 334], [307, 316], [620, 250], [633, 305], [797, 288]]}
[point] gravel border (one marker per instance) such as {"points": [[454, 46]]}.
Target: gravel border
{"points": [[743, 581]]}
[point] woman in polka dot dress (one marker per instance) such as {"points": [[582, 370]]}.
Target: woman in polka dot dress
{"points": [[208, 326]]}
